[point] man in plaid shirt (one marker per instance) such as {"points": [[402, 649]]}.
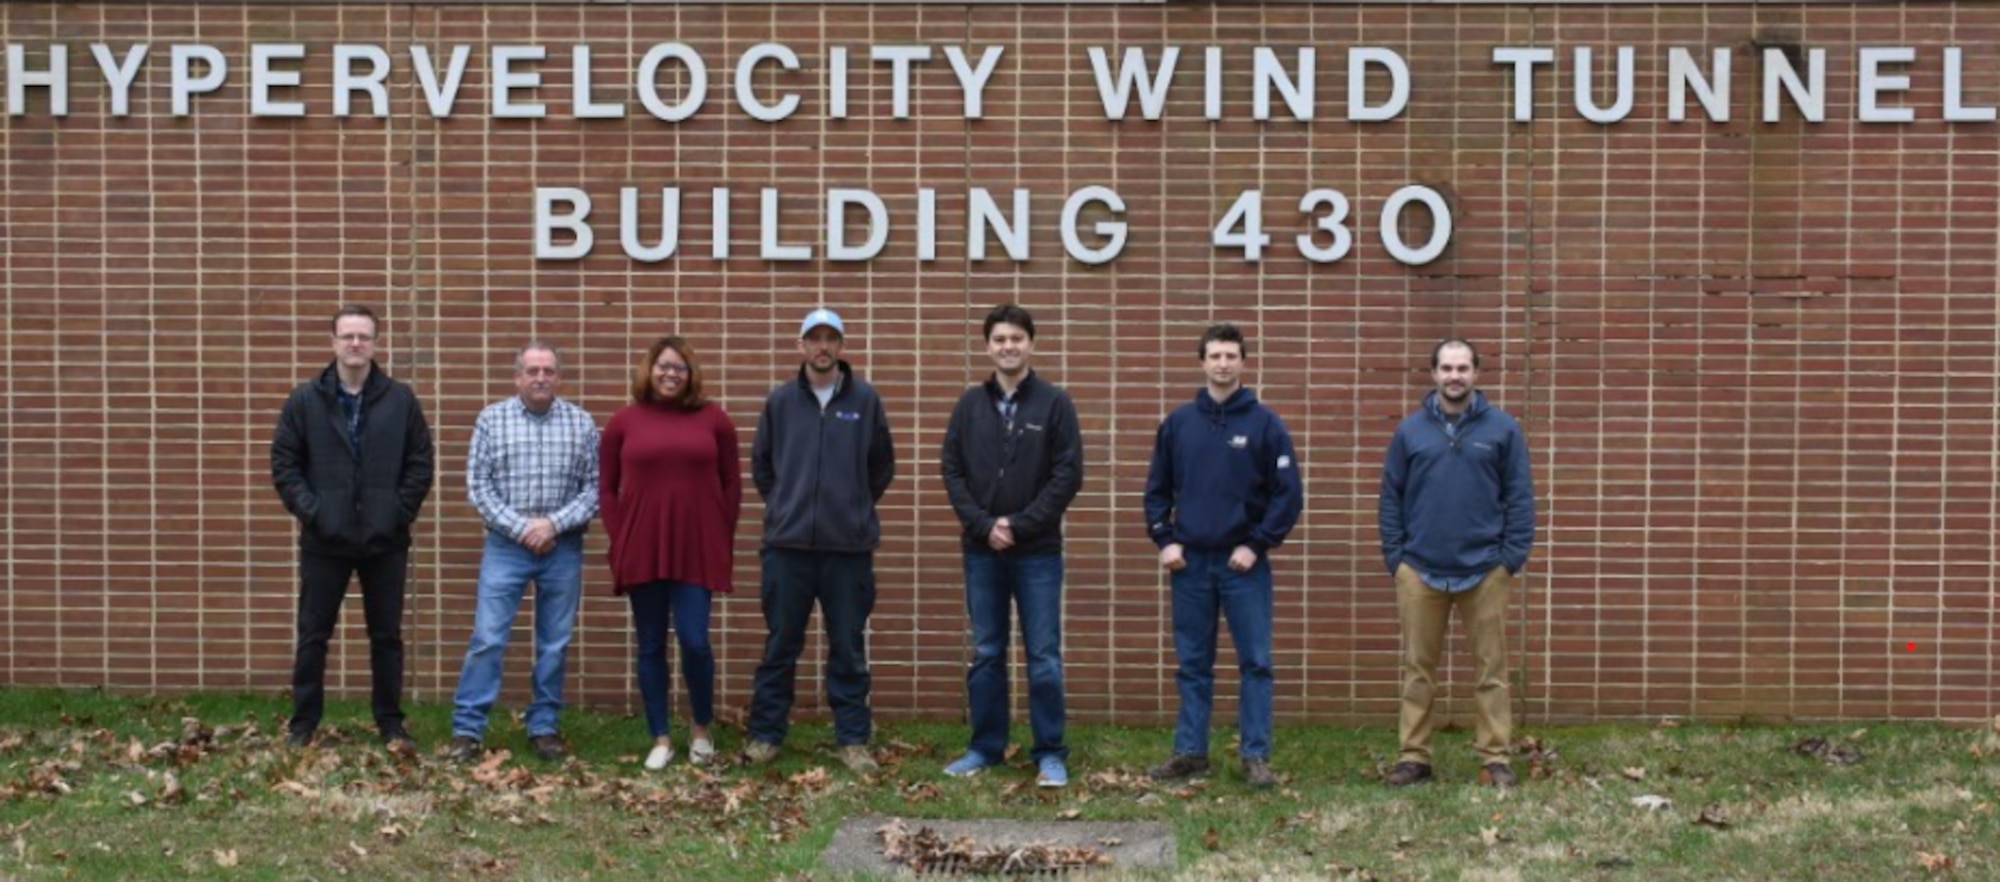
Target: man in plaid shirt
{"points": [[532, 473]]}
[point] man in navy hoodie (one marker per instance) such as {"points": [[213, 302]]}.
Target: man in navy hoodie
{"points": [[822, 459], [1457, 516], [1223, 490]]}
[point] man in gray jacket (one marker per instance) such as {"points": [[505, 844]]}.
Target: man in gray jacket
{"points": [[821, 460]]}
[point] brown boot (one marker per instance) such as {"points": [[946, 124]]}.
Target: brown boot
{"points": [[1406, 773], [1178, 766], [1496, 775]]}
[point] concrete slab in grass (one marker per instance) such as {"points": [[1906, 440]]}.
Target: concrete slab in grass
{"points": [[856, 849]]}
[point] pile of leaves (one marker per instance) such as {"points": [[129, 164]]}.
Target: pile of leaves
{"points": [[925, 850]]}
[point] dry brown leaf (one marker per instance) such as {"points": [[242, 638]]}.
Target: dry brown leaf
{"points": [[490, 766], [356, 848], [1490, 836], [170, 790], [225, 857], [1070, 814], [136, 798], [135, 751], [812, 780], [394, 833], [1935, 863], [1712, 815], [1211, 840], [1634, 773]]}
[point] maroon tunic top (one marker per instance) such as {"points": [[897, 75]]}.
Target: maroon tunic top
{"points": [[669, 490]]}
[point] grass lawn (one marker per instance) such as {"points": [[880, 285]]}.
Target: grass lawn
{"points": [[96, 786]]}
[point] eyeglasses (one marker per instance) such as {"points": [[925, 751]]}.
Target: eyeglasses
{"points": [[677, 369], [355, 338]]}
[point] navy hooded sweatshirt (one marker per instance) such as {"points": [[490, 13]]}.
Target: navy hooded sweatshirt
{"points": [[1223, 475], [1457, 506]]}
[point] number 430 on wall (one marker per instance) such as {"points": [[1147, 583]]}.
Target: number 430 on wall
{"points": [[1242, 226]]}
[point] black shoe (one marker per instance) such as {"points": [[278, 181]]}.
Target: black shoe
{"points": [[1178, 766], [299, 738], [1406, 773], [549, 747], [464, 749], [398, 740]]}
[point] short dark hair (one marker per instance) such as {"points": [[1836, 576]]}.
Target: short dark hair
{"points": [[1222, 332], [356, 310], [1008, 314], [1454, 341]]}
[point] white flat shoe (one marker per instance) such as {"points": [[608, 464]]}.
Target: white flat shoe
{"points": [[701, 752], [658, 759]]}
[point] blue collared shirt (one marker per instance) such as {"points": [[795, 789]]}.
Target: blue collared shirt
{"points": [[524, 465], [350, 404]]}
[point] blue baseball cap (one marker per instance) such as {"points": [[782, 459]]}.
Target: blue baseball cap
{"points": [[822, 316]]}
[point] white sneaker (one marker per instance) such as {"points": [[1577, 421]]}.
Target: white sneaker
{"points": [[661, 755], [701, 752]]}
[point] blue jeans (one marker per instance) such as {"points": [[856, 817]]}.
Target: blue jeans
{"points": [[1208, 586], [685, 606], [1034, 584], [505, 569], [843, 585]]}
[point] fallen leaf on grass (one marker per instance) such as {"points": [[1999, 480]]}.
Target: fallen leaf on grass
{"points": [[811, 780], [1070, 814], [295, 788], [1652, 802], [356, 848], [1211, 840], [1934, 862], [136, 798], [171, 791], [1492, 836], [394, 833], [225, 857], [1712, 815], [1827, 752], [1634, 773], [920, 791]]}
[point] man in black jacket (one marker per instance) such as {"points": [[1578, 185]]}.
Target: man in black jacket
{"points": [[821, 460], [1012, 462], [352, 461]]}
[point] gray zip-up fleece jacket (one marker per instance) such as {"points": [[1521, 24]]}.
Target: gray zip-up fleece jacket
{"points": [[820, 471]]}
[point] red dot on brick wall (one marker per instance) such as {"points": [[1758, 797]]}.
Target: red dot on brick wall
{"points": [[1912, 647]]}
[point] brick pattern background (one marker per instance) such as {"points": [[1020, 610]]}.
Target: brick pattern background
{"points": [[1754, 360]]}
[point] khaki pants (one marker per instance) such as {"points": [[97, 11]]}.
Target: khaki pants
{"points": [[1426, 613]]}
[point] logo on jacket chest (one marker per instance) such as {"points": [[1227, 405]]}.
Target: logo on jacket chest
{"points": [[847, 416], [1239, 442]]}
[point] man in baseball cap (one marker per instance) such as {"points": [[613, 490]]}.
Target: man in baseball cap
{"points": [[822, 459]]}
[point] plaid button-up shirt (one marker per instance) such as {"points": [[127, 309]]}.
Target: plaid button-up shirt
{"points": [[525, 465]]}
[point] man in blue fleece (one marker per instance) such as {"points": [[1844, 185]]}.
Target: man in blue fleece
{"points": [[1222, 492], [1457, 515]]}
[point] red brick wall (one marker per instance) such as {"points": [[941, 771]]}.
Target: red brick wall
{"points": [[1754, 360]]}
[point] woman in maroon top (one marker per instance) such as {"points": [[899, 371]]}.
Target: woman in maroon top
{"points": [[670, 488]]}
